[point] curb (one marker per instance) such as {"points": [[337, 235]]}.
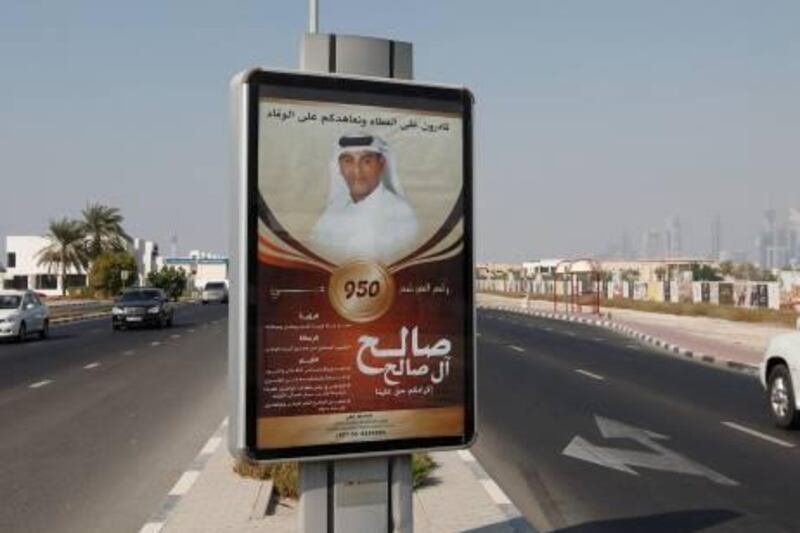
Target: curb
{"points": [[67, 320], [745, 368], [158, 521], [516, 521], [104, 314]]}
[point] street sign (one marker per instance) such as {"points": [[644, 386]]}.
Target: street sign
{"points": [[352, 325]]}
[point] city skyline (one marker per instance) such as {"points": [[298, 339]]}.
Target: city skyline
{"points": [[608, 117]]}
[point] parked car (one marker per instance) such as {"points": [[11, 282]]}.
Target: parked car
{"points": [[22, 313], [779, 372], [142, 307], [215, 291]]}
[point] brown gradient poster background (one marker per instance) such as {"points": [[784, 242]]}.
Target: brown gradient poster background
{"points": [[361, 304]]}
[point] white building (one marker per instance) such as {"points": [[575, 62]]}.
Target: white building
{"points": [[24, 272], [540, 266]]}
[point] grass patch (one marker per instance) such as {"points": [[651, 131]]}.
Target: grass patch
{"points": [[421, 467], [727, 312], [285, 475]]}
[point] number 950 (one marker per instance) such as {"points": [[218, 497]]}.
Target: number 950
{"points": [[362, 288]]}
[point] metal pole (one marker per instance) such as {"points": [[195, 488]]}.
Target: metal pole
{"points": [[362, 495], [313, 16]]}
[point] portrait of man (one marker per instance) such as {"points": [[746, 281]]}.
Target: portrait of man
{"points": [[367, 215]]}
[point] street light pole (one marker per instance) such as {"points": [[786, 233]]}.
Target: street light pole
{"points": [[373, 494], [313, 16]]}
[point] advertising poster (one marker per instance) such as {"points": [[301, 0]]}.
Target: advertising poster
{"points": [[364, 272]]}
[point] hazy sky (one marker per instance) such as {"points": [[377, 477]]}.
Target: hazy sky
{"points": [[592, 116]]}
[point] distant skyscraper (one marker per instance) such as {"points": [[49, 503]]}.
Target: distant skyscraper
{"points": [[652, 245], [673, 246], [627, 249], [776, 244], [716, 238]]}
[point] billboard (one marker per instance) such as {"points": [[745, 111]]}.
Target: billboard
{"points": [[359, 320]]}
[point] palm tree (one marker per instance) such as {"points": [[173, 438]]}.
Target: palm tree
{"points": [[67, 248], [103, 228]]}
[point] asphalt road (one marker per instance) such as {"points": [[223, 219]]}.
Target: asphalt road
{"points": [[542, 383], [97, 425]]}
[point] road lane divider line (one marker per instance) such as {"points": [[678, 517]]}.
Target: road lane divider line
{"points": [[91, 366], [128, 352], [495, 492], [174, 336], [39, 384], [466, 456], [152, 527], [184, 483], [211, 446], [516, 348], [592, 375], [758, 434], [157, 522], [155, 343], [191, 330]]}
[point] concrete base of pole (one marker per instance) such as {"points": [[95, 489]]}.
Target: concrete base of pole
{"points": [[356, 495]]}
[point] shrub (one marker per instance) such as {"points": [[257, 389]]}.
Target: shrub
{"points": [[171, 280], [105, 276], [286, 475]]}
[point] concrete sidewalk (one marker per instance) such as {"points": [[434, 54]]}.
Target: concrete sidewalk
{"points": [[211, 498], [726, 341]]}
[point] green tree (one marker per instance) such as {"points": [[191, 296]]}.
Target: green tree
{"points": [[704, 273], [171, 280], [65, 249], [103, 228], [107, 272]]}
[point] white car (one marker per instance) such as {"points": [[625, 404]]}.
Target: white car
{"points": [[22, 313], [215, 291], [779, 371]]}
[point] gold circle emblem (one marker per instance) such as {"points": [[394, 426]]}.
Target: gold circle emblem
{"points": [[361, 291]]}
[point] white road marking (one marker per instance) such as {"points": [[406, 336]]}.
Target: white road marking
{"points": [[495, 492], [91, 366], [224, 423], [517, 348], [659, 457], [590, 374], [191, 330], [129, 352], [185, 483], [598, 339], [40, 384], [211, 446], [174, 336], [571, 334], [758, 434], [152, 527], [466, 456], [548, 329], [155, 343], [633, 346]]}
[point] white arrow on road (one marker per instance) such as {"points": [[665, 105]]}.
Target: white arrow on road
{"points": [[659, 458]]}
